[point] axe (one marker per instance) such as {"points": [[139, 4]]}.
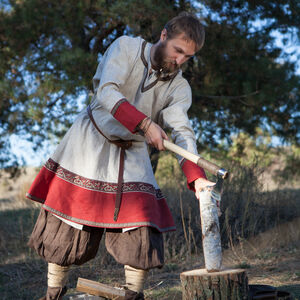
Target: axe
{"points": [[214, 169], [198, 160]]}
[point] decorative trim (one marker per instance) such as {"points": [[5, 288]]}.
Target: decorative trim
{"points": [[159, 77], [151, 85], [31, 197], [129, 116], [107, 225], [143, 54], [182, 162], [100, 186], [117, 105]]}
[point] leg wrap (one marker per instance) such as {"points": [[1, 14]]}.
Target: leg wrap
{"points": [[135, 278], [57, 275]]}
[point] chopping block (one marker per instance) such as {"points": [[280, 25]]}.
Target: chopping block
{"points": [[214, 282], [224, 284]]}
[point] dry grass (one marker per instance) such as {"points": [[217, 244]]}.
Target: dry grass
{"points": [[260, 231], [13, 190]]}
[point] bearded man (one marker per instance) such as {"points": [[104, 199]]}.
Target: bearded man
{"points": [[100, 178]]}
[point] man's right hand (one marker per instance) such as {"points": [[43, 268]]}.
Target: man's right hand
{"points": [[155, 136]]}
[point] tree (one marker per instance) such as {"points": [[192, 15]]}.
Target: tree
{"points": [[49, 52], [237, 80]]}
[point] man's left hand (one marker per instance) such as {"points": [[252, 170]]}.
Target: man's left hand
{"points": [[200, 184]]}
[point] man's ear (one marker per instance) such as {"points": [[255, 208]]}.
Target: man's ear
{"points": [[163, 35]]}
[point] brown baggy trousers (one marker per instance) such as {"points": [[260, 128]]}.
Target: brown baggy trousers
{"points": [[62, 244]]}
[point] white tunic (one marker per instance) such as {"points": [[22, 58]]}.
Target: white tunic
{"points": [[78, 183], [120, 75]]}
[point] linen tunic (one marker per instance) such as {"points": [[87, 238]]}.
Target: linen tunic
{"points": [[79, 181]]}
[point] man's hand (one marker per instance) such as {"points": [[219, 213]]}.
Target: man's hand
{"points": [[200, 184], [155, 136], [153, 133]]}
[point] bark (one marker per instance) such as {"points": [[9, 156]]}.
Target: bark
{"points": [[211, 239]]}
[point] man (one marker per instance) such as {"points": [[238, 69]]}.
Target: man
{"points": [[100, 176]]}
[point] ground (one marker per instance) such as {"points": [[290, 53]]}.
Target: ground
{"points": [[271, 258]]}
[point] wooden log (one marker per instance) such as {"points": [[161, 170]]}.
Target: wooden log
{"points": [[226, 284], [99, 289], [211, 239], [85, 297]]}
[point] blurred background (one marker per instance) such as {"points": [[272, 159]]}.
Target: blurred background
{"points": [[245, 113]]}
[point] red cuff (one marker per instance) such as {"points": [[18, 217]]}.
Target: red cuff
{"points": [[192, 172], [127, 115]]}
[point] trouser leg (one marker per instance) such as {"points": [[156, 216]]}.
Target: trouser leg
{"points": [[138, 250], [141, 248], [61, 246]]}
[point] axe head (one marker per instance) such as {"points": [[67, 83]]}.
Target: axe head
{"points": [[217, 192], [218, 187]]}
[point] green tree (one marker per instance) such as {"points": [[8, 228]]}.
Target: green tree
{"points": [[237, 81], [49, 52]]}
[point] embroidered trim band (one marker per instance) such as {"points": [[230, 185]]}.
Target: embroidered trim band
{"points": [[101, 186]]}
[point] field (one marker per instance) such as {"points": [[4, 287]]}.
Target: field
{"points": [[260, 232]]}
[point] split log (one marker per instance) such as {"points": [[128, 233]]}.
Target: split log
{"points": [[203, 285], [211, 239], [85, 297], [99, 289]]}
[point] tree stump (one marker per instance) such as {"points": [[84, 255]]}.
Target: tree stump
{"points": [[226, 284]]}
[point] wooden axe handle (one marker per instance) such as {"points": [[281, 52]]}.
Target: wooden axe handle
{"points": [[201, 162]]}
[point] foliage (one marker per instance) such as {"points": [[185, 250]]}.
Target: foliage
{"points": [[49, 52], [237, 81], [283, 163], [290, 172]]}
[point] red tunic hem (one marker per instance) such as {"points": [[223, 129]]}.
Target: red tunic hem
{"points": [[92, 202]]}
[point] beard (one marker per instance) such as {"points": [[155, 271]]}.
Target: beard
{"points": [[161, 60]]}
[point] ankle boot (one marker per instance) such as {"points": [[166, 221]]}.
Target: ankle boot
{"points": [[131, 295]]}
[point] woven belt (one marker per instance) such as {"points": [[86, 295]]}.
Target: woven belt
{"points": [[124, 145]]}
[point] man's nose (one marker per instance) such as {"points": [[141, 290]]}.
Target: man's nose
{"points": [[180, 59]]}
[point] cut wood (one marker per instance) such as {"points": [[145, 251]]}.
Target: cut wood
{"points": [[85, 297], [211, 239], [99, 289], [226, 284]]}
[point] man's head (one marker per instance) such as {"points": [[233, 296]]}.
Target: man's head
{"points": [[179, 40]]}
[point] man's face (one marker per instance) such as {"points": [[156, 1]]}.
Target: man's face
{"points": [[172, 53]]}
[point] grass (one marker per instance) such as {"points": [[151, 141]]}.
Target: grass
{"points": [[260, 232]]}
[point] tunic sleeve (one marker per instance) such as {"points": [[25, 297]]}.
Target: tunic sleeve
{"points": [[112, 72], [174, 116]]}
